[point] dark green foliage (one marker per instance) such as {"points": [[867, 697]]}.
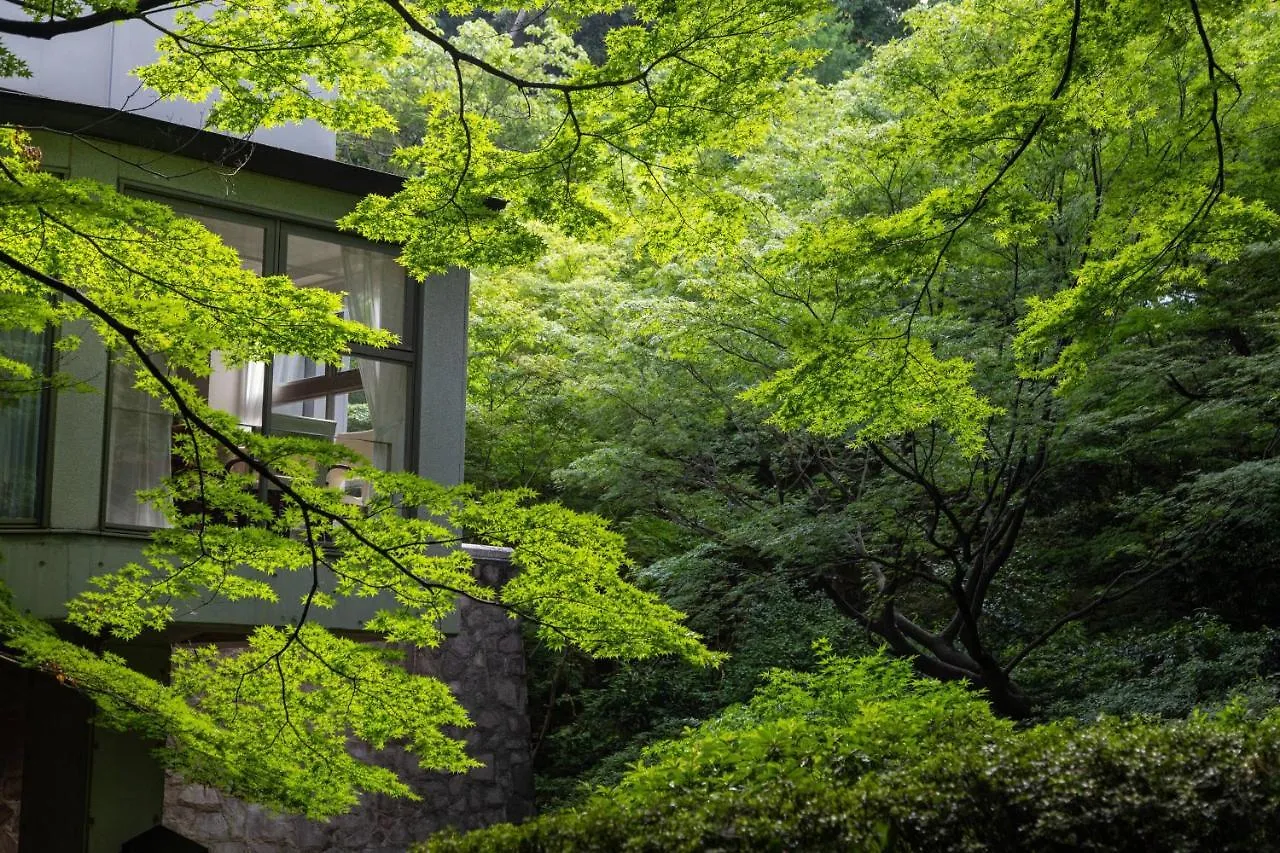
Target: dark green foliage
{"points": [[1131, 497], [778, 815], [1200, 784], [606, 715], [1196, 663], [771, 774], [1168, 456], [849, 31]]}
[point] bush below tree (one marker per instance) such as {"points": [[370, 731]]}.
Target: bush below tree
{"points": [[862, 755]]}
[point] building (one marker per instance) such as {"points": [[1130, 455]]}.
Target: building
{"points": [[71, 462]]}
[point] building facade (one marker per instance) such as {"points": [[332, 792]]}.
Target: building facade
{"points": [[72, 461]]}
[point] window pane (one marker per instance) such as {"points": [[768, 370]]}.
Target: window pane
{"points": [[249, 241], [373, 281], [21, 405], [362, 404], [138, 450], [239, 390]]}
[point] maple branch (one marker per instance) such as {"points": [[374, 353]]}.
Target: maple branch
{"points": [[52, 27]]}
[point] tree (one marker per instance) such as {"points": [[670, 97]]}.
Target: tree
{"points": [[915, 299], [993, 207], [679, 80]]}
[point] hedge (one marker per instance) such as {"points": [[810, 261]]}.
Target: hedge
{"points": [[864, 757]]}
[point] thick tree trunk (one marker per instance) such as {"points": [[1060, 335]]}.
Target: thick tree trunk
{"points": [[1006, 697], [933, 655]]}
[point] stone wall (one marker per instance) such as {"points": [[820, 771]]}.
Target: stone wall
{"points": [[13, 719], [484, 666]]}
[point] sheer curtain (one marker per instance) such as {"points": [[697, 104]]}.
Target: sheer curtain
{"points": [[375, 297], [139, 455], [375, 288], [20, 442], [238, 390]]}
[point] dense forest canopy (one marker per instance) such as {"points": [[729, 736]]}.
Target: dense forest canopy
{"points": [[963, 344], [985, 364]]}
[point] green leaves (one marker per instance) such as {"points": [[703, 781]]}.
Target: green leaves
{"points": [[165, 278], [274, 63], [774, 773], [265, 720], [860, 756], [274, 722], [292, 699], [569, 582], [868, 385]]}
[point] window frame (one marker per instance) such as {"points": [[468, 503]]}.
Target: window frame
{"points": [[108, 424], [44, 459], [276, 230]]}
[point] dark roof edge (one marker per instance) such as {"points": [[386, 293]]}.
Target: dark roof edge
{"points": [[36, 113]]}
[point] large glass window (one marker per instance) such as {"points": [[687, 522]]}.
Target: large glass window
{"points": [[21, 443], [372, 280], [139, 437], [364, 402]]}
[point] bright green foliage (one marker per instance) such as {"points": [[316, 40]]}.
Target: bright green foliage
{"points": [[1170, 446], [419, 76], [1073, 388], [262, 721], [294, 701], [767, 775], [289, 703], [848, 345], [921, 337], [868, 384], [971, 149], [1013, 196], [556, 152], [860, 756], [305, 690], [531, 382], [875, 707], [605, 718], [165, 277], [538, 125]]}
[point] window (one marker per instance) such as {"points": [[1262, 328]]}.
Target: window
{"points": [[22, 406], [364, 402], [138, 441]]}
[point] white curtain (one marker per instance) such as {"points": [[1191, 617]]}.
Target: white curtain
{"points": [[139, 454], [375, 297], [375, 288], [20, 408], [238, 390]]}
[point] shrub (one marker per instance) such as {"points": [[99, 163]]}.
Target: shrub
{"points": [[1206, 783], [1198, 662], [772, 774], [863, 756]]}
